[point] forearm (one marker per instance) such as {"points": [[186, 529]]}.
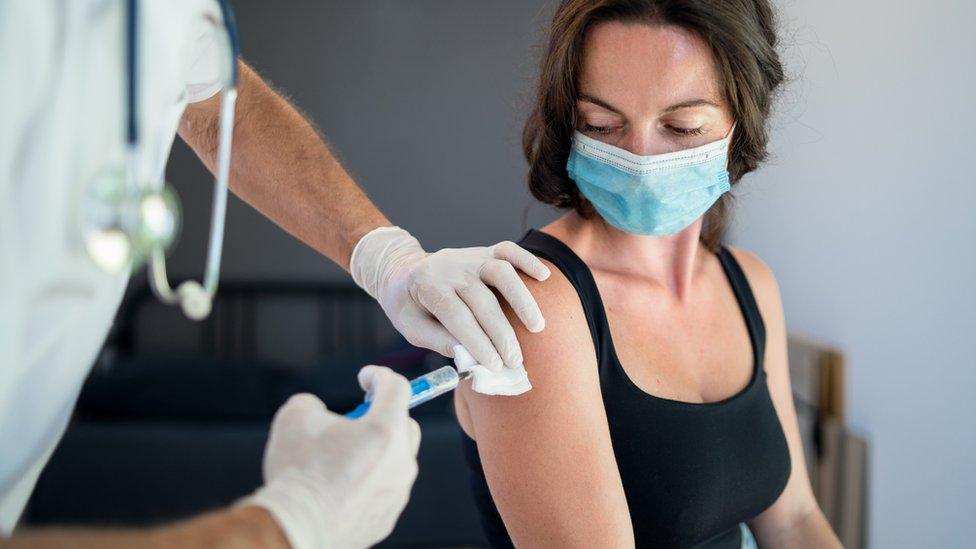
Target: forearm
{"points": [[809, 530], [239, 528], [281, 166]]}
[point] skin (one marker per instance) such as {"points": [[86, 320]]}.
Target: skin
{"points": [[279, 163], [240, 528], [548, 459]]}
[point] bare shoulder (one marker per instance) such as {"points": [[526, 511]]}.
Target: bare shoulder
{"points": [[559, 358], [545, 451], [560, 305], [761, 280]]}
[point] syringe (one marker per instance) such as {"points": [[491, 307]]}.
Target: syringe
{"points": [[423, 388]]}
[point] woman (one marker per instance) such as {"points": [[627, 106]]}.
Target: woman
{"points": [[661, 413]]}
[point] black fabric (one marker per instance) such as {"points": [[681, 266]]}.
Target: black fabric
{"points": [[691, 472]]}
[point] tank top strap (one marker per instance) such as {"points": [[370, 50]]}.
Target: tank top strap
{"points": [[747, 303], [552, 249]]}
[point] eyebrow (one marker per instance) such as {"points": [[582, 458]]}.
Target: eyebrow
{"points": [[692, 103], [683, 105], [599, 102]]}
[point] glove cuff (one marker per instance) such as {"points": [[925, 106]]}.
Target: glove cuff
{"points": [[297, 509], [378, 254]]}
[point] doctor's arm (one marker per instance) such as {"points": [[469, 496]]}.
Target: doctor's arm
{"points": [[795, 519], [282, 167], [241, 528]]}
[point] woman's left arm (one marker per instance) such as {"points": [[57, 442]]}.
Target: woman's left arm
{"points": [[795, 520]]}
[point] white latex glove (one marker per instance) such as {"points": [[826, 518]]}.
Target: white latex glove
{"points": [[334, 482], [440, 300]]}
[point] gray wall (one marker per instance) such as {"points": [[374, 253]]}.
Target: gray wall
{"points": [[865, 212], [866, 215], [422, 100]]}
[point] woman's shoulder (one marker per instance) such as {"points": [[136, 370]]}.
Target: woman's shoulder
{"points": [[561, 307], [753, 266], [545, 451], [761, 279]]}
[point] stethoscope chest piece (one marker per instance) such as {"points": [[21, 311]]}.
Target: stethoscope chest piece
{"points": [[122, 223], [126, 220]]}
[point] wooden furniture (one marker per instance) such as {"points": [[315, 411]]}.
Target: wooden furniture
{"points": [[837, 458]]}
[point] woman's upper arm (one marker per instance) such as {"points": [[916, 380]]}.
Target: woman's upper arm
{"points": [[547, 454], [797, 498]]}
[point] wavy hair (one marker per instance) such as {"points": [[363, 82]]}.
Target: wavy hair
{"points": [[742, 38]]}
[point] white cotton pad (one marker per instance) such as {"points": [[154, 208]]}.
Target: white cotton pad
{"points": [[507, 382]]}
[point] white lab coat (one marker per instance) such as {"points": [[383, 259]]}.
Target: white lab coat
{"points": [[62, 115]]}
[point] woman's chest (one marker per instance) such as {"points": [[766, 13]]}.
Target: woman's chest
{"points": [[697, 351], [691, 472]]}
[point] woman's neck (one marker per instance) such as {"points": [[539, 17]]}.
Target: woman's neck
{"points": [[668, 261]]}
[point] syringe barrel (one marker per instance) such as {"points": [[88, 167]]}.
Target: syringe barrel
{"points": [[432, 385], [422, 389]]}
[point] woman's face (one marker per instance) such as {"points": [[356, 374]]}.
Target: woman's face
{"points": [[650, 89]]}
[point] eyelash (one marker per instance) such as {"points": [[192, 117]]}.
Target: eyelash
{"points": [[602, 130], [686, 132], [683, 132]]}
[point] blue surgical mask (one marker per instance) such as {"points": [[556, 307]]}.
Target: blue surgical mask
{"points": [[655, 195]]}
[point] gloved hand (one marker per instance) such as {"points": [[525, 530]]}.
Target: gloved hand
{"points": [[336, 482], [442, 299]]}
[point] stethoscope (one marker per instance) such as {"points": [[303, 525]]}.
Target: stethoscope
{"points": [[125, 221]]}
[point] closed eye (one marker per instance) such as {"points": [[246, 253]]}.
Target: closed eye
{"points": [[601, 130], [686, 132]]}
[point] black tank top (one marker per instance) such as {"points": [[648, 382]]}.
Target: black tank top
{"points": [[691, 472]]}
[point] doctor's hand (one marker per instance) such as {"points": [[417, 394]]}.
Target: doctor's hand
{"points": [[443, 299], [336, 482]]}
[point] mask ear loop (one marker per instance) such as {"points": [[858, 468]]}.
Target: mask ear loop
{"points": [[728, 136], [728, 145], [194, 298]]}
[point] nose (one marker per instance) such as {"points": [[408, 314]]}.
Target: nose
{"points": [[645, 140]]}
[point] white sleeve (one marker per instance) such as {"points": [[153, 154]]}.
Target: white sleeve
{"points": [[26, 37], [205, 56], [24, 46]]}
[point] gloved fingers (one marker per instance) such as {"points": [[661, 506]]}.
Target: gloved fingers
{"points": [[304, 412], [302, 401], [390, 390], [521, 259], [455, 315], [295, 424], [413, 435], [365, 376], [423, 331], [488, 312], [502, 275]]}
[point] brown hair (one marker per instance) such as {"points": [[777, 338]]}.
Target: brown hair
{"points": [[741, 35]]}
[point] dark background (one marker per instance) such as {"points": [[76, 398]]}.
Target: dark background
{"points": [[423, 101]]}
